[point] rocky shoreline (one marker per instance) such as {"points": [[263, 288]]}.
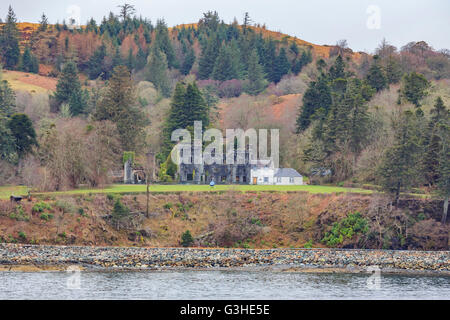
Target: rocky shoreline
{"points": [[37, 257]]}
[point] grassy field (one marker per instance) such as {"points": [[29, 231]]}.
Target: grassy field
{"points": [[29, 82], [6, 191]]}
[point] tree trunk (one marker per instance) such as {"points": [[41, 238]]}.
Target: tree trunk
{"points": [[397, 194], [444, 214], [148, 195]]}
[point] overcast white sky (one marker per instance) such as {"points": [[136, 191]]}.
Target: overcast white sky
{"points": [[317, 21]]}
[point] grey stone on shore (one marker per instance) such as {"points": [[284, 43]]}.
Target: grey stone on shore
{"points": [[133, 258]]}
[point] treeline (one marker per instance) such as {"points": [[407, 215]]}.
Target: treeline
{"points": [[212, 50], [336, 122]]}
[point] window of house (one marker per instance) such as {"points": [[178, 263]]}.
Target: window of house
{"points": [[291, 180], [266, 179], [279, 180]]}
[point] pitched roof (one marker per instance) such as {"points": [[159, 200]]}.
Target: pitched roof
{"points": [[287, 172]]}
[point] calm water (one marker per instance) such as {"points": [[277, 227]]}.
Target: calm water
{"points": [[217, 285]]}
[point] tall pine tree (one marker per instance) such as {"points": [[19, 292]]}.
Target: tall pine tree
{"points": [[256, 83], [119, 106], [9, 41], [208, 57], [399, 169], [157, 69]]}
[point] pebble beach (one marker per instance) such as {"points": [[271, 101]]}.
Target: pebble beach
{"points": [[42, 257]]}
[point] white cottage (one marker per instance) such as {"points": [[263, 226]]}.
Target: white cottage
{"points": [[287, 176], [266, 174]]}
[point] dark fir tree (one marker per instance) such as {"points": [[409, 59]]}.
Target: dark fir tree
{"points": [[414, 87], [96, 64], [444, 165], [433, 142], [68, 83], [157, 69], [208, 57], [131, 61], [29, 62], [163, 43], [282, 66], [399, 169], [227, 64], [78, 102], [317, 98], [43, 24], [298, 64], [119, 106], [377, 77], [9, 41], [195, 106], [188, 62], [393, 71], [269, 58], [256, 83], [7, 143], [7, 99], [187, 106], [23, 133], [337, 70], [141, 59]]}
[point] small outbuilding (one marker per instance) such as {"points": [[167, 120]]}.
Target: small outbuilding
{"points": [[287, 176]]}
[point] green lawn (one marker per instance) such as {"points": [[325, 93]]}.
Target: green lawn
{"points": [[119, 188], [7, 191]]}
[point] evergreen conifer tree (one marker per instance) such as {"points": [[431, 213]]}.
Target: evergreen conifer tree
{"points": [[317, 98], [9, 41], [376, 77], [68, 83], [208, 57], [399, 167], [23, 133], [157, 71], [256, 81], [119, 106]]}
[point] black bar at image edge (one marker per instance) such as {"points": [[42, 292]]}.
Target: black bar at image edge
{"points": [[231, 309]]}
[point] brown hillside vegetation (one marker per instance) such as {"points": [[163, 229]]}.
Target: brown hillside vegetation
{"points": [[230, 219], [27, 29], [29, 81]]}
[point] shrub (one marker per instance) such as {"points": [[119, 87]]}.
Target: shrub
{"points": [[41, 207], [120, 213], [308, 245], [348, 227], [65, 207], [230, 88], [46, 216], [168, 206], [186, 239], [19, 214], [22, 235]]}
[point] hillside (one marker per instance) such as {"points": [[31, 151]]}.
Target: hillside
{"points": [[318, 50], [228, 219], [30, 82]]}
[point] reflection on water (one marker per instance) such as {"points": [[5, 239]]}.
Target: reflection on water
{"points": [[219, 285]]}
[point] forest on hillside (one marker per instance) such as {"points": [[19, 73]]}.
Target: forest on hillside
{"points": [[123, 84]]}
